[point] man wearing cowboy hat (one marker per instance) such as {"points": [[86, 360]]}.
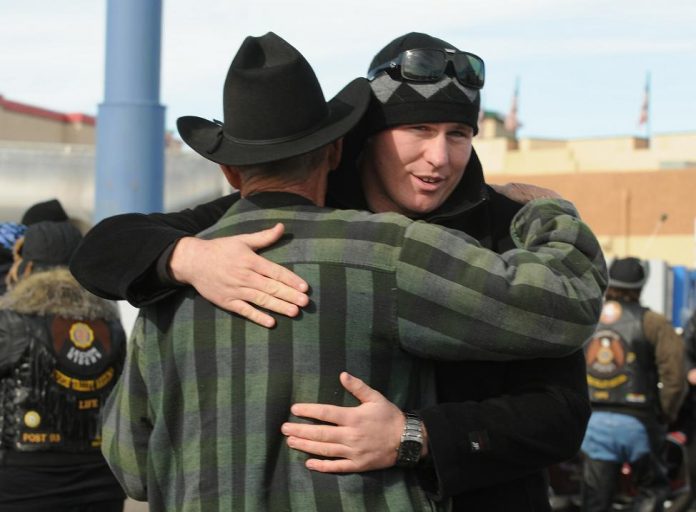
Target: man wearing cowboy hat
{"points": [[196, 418], [532, 413]]}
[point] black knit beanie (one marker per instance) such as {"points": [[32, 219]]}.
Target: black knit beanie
{"points": [[397, 102], [48, 244]]}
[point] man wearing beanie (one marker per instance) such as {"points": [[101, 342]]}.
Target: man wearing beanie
{"points": [[499, 423], [632, 351], [61, 352]]}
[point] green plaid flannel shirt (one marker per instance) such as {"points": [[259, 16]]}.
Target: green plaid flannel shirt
{"points": [[194, 422]]}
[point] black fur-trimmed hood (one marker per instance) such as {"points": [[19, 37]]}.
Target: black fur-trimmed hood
{"points": [[56, 292]]}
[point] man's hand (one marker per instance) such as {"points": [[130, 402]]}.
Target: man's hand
{"points": [[228, 272], [525, 192], [363, 438]]}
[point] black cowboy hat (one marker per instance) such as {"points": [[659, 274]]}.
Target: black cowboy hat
{"points": [[628, 273], [274, 108]]}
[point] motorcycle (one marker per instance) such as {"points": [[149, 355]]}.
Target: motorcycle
{"points": [[565, 480]]}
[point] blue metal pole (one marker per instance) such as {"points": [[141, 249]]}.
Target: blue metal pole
{"points": [[130, 121]]}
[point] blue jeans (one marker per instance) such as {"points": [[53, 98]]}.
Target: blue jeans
{"points": [[615, 437], [610, 440]]}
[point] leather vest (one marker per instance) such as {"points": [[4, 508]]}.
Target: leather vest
{"points": [[53, 396], [620, 361]]}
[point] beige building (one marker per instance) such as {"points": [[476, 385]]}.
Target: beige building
{"points": [[638, 195], [27, 123]]}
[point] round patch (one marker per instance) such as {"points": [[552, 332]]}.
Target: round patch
{"points": [[605, 354], [611, 312], [32, 419], [81, 335]]}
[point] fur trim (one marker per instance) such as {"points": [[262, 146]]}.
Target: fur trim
{"points": [[56, 292]]}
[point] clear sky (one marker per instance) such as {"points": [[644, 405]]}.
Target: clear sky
{"points": [[582, 64]]}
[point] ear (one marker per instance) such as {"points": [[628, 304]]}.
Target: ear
{"points": [[335, 152], [232, 175]]}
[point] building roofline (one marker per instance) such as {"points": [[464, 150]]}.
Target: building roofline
{"points": [[31, 110]]}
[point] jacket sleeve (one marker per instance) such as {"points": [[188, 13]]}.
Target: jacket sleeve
{"points": [[670, 360], [118, 257], [537, 420], [126, 424], [690, 341], [457, 300], [13, 340]]}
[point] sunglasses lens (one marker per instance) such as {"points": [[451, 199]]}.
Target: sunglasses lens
{"points": [[470, 69], [423, 65]]}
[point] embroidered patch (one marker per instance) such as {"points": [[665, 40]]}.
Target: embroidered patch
{"points": [[81, 335], [605, 355], [479, 441]]}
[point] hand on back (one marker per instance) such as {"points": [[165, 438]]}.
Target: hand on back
{"points": [[361, 438], [525, 192], [228, 272]]}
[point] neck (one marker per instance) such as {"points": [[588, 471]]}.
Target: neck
{"points": [[313, 188]]}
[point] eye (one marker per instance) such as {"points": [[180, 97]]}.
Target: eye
{"points": [[464, 132]]}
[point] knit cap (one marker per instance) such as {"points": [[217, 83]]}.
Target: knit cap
{"points": [[49, 244], [397, 102]]}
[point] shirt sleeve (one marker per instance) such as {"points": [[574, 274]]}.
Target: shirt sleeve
{"points": [[127, 423], [457, 300], [538, 419], [670, 361], [117, 259]]}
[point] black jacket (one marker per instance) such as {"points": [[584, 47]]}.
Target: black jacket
{"points": [[498, 426], [61, 352]]}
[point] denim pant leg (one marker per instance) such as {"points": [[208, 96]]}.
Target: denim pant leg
{"points": [[615, 437], [610, 440]]}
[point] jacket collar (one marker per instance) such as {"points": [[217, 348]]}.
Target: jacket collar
{"points": [[56, 292]]}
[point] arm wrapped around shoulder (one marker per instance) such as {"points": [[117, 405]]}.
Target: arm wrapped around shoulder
{"points": [[541, 299]]}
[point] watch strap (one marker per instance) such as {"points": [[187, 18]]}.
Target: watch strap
{"points": [[411, 445]]}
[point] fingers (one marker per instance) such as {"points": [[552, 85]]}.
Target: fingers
{"points": [[262, 239], [317, 448], [316, 433], [249, 312], [267, 288], [278, 273], [322, 412], [332, 466], [266, 238], [359, 389], [525, 192]]}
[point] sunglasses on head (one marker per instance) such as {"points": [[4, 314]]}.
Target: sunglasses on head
{"points": [[430, 64]]}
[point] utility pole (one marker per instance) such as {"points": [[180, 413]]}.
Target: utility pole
{"points": [[130, 121]]}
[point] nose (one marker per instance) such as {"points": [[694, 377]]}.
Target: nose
{"points": [[436, 151]]}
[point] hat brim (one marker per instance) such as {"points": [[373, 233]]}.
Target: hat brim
{"points": [[208, 140]]}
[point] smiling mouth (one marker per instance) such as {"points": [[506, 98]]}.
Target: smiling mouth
{"points": [[428, 179]]}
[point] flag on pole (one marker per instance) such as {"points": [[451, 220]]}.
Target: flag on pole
{"points": [[511, 121], [645, 107]]}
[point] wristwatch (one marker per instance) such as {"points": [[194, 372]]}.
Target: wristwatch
{"points": [[408, 453]]}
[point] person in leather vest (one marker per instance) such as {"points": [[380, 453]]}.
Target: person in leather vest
{"points": [[636, 378], [61, 352]]}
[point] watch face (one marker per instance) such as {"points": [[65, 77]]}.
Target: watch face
{"points": [[409, 453]]}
